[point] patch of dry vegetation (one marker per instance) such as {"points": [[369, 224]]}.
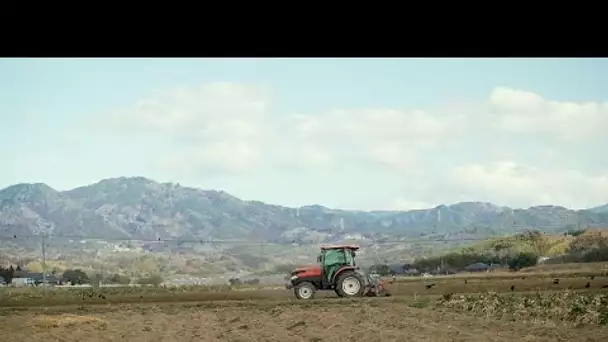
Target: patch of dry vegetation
{"points": [[544, 271], [575, 309], [65, 320]]}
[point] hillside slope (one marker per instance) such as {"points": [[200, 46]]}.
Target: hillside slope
{"points": [[140, 208]]}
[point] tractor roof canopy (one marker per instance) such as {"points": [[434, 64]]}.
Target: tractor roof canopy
{"points": [[347, 246]]}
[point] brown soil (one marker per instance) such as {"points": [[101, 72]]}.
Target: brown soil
{"points": [[411, 288], [374, 319]]}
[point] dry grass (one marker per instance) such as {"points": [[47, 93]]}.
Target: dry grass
{"points": [[575, 309], [581, 270], [64, 320]]}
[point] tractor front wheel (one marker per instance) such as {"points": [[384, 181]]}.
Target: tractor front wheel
{"points": [[350, 284], [304, 290]]}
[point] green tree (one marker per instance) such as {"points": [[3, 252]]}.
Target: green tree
{"points": [[76, 276], [537, 240], [501, 248], [523, 259], [7, 274]]}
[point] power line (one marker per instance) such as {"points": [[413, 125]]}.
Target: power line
{"points": [[235, 241]]}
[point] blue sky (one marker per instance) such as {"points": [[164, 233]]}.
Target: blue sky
{"points": [[349, 133]]}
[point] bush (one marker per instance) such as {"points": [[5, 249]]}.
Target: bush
{"points": [[119, 279], [523, 259], [253, 281], [575, 233], [151, 280], [594, 255], [588, 242], [381, 269]]}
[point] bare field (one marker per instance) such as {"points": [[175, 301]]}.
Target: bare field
{"points": [[411, 287], [596, 268], [363, 319], [587, 270], [454, 309]]}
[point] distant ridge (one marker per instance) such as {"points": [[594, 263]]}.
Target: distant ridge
{"points": [[137, 207]]}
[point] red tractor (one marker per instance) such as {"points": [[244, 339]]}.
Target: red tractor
{"points": [[336, 270]]}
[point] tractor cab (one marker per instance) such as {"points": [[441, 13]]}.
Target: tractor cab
{"points": [[334, 258]]}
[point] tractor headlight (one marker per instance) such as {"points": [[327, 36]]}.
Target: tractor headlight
{"points": [[293, 277]]}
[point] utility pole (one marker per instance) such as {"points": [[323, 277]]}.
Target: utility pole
{"points": [[43, 240], [262, 248]]}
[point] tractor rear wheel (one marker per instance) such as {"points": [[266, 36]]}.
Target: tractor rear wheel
{"points": [[304, 290], [350, 284]]}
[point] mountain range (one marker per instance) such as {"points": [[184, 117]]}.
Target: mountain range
{"points": [[140, 208]]}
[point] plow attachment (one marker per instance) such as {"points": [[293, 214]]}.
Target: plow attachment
{"points": [[376, 287]]}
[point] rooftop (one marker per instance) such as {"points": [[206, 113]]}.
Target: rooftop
{"points": [[338, 246]]}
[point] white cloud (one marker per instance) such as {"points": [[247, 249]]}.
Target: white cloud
{"points": [[230, 126], [388, 137], [522, 112], [232, 129], [511, 183], [213, 111], [225, 125]]}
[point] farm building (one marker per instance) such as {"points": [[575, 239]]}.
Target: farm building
{"points": [[23, 281], [24, 278]]}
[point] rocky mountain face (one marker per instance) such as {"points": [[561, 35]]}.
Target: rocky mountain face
{"points": [[140, 208], [600, 209]]}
